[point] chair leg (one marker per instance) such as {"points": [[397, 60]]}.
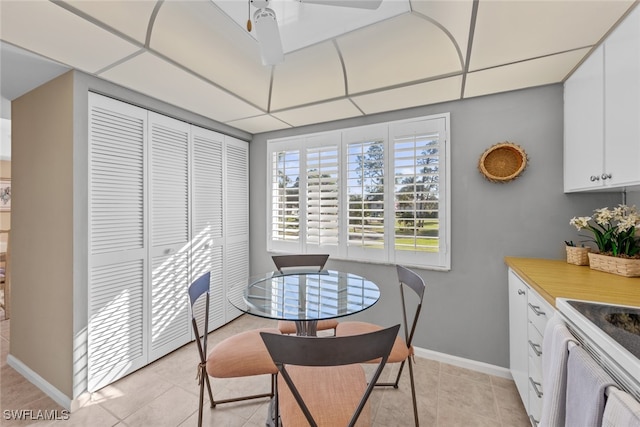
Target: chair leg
{"points": [[211, 401], [413, 387], [413, 393], [201, 404]]}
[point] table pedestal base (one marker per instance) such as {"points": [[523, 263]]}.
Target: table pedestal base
{"points": [[308, 328]]}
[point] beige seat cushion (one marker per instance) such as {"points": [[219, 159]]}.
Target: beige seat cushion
{"points": [[399, 352], [331, 393], [289, 327], [241, 355]]}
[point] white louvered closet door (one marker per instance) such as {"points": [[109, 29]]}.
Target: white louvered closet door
{"points": [[117, 241], [207, 205], [170, 237], [208, 244], [237, 221]]}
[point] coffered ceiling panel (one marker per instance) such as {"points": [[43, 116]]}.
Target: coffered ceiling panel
{"points": [[536, 72], [452, 16], [263, 123], [319, 113], [411, 96], [400, 50], [197, 35], [516, 30], [131, 18], [307, 76], [152, 76], [55, 33]]}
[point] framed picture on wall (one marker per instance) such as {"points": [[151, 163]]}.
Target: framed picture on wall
{"points": [[5, 194]]}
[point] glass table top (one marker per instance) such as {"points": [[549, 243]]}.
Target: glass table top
{"points": [[307, 296]]}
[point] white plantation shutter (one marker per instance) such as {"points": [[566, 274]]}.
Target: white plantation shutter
{"points": [[365, 189], [420, 192], [207, 191], [117, 236], [169, 182], [323, 196], [237, 219], [375, 193], [285, 195], [416, 192]]}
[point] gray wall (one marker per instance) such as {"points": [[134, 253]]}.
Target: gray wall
{"points": [[466, 310]]}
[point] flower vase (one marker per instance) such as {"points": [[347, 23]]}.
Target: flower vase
{"points": [[627, 267]]}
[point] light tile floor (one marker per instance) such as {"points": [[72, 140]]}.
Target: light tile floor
{"points": [[165, 393]]}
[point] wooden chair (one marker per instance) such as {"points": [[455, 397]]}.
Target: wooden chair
{"points": [[240, 355], [313, 262], [321, 381], [402, 349]]}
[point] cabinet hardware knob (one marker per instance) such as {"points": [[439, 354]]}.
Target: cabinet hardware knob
{"points": [[521, 292], [535, 387], [594, 178], [169, 251], [536, 310], [606, 176]]}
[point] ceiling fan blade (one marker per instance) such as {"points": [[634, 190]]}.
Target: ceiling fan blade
{"points": [[360, 4], [268, 36]]}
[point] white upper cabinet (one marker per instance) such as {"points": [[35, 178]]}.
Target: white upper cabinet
{"points": [[584, 125], [622, 103], [602, 112]]}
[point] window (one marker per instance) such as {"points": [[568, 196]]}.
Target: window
{"points": [[375, 193]]}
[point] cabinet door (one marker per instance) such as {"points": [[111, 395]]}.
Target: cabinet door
{"points": [[584, 125], [622, 102], [207, 193], [169, 221], [518, 343], [117, 296]]}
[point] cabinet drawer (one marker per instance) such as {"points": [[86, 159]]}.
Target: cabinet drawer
{"points": [[535, 405], [534, 347], [539, 312], [535, 372]]}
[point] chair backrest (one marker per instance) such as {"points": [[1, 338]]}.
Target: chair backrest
{"points": [[301, 260], [330, 351], [199, 287], [411, 280]]}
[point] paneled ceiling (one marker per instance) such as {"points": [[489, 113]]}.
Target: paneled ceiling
{"points": [[197, 54]]}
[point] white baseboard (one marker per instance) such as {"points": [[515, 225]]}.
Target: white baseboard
{"points": [[55, 394], [473, 365]]}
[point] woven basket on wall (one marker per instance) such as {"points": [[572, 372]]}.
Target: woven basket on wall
{"points": [[503, 162], [578, 255], [621, 266]]}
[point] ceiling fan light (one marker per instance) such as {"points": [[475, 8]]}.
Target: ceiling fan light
{"points": [[268, 36]]}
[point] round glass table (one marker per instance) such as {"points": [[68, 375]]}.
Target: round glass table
{"points": [[306, 297]]}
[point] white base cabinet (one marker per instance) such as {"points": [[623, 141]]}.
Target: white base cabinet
{"points": [[528, 316]]}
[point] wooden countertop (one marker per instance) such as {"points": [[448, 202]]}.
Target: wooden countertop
{"points": [[556, 279]]}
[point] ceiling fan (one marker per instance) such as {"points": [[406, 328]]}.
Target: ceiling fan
{"points": [[268, 34]]}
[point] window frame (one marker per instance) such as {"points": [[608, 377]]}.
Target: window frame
{"points": [[388, 132]]}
